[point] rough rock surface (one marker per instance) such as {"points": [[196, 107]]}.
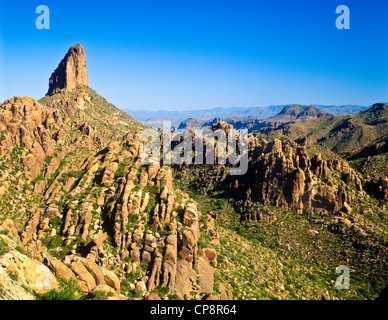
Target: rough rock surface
{"points": [[70, 72]]}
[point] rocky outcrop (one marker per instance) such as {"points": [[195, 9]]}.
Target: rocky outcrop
{"points": [[113, 197], [282, 174], [18, 272], [70, 72], [378, 187]]}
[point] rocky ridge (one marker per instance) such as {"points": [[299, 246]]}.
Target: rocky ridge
{"points": [[89, 210]]}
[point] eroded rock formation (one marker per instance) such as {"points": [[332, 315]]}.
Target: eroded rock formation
{"points": [[70, 72]]}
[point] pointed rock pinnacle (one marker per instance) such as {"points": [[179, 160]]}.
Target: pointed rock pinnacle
{"points": [[70, 72]]}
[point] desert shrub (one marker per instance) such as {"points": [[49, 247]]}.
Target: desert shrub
{"points": [[23, 251], [13, 275], [3, 247], [100, 295], [68, 290], [161, 291]]}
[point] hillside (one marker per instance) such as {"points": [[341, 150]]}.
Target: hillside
{"points": [[297, 113], [251, 117], [351, 136], [83, 218], [290, 221], [78, 205]]}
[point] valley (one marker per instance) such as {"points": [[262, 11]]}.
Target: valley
{"points": [[83, 218]]}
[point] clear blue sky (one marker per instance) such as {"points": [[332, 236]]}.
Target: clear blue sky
{"points": [[191, 54]]}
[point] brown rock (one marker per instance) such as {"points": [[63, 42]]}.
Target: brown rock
{"points": [[153, 296], [93, 269], [225, 265], [111, 279], [87, 281], [211, 255], [59, 268], [185, 276], [70, 72], [112, 295], [206, 275]]}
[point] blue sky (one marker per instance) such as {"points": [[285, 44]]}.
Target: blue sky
{"points": [[186, 54]]}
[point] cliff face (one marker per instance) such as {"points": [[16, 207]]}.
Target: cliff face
{"points": [[70, 72]]}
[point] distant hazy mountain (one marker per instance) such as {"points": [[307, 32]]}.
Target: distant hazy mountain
{"points": [[296, 113], [338, 110], [351, 136], [299, 113], [238, 116]]}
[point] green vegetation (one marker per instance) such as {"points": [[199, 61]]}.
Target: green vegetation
{"points": [[68, 290], [13, 275], [283, 259], [3, 246], [161, 291], [23, 251], [100, 295]]}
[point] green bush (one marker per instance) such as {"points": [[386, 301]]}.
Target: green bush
{"points": [[144, 267], [3, 247], [23, 251], [52, 242], [13, 275], [100, 295], [56, 222], [132, 276], [161, 291], [68, 290], [76, 174], [48, 159], [132, 293]]}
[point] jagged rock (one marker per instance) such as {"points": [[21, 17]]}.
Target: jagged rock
{"points": [[93, 269], [59, 268], [170, 262], [153, 296], [70, 72], [188, 246], [8, 226], [154, 278], [140, 285], [94, 189], [86, 280], [281, 173]]}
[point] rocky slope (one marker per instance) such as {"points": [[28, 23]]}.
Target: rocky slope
{"points": [[352, 136], [83, 218], [77, 199], [292, 194]]}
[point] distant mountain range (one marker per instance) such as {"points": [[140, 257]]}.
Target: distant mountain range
{"points": [[235, 115], [351, 136]]}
